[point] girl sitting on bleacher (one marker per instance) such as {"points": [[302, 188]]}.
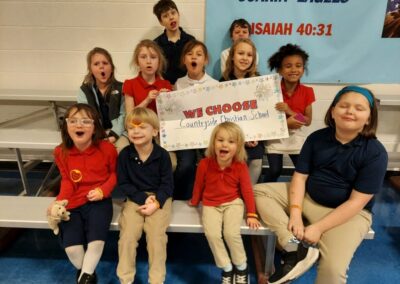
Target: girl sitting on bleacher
{"points": [[87, 165], [102, 91], [340, 169], [224, 187]]}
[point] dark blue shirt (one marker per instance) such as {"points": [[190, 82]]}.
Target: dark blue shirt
{"points": [[136, 177], [172, 52], [335, 169]]}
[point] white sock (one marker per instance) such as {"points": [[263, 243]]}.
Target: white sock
{"points": [[227, 268], [289, 247], [75, 255], [92, 257], [242, 266]]}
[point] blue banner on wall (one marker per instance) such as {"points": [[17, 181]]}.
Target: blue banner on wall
{"points": [[349, 41]]}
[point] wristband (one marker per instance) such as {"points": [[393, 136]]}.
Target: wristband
{"points": [[295, 206], [252, 215]]}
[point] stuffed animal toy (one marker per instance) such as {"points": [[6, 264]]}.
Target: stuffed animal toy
{"points": [[57, 214]]}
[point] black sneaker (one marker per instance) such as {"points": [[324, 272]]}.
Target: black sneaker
{"points": [[88, 278], [78, 273], [241, 276], [227, 277], [294, 264]]}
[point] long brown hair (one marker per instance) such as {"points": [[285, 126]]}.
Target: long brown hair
{"points": [[89, 78], [98, 134]]}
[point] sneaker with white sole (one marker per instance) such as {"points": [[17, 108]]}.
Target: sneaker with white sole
{"points": [[294, 264], [241, 276], [227, 277]]}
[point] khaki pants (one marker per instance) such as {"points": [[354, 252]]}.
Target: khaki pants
{"points": [[225, 220], [337, 246], [132, 225]]}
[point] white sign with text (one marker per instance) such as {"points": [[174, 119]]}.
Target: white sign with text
{"points": [[188, 116]]}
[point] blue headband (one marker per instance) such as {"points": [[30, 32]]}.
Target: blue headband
{"points": [[366, 93]]}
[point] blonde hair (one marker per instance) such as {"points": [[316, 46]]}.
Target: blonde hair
{"points": [[143, 114], [251, 71], [236, 133], [147, 43]]}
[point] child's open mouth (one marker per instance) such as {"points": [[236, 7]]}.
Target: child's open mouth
{"points": [[79, 133], [194, 64], [103, 73]]}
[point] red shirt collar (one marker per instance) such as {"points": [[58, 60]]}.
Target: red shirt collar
{"points": [[145, 84], [283, 87]]}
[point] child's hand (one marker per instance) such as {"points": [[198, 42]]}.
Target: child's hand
{"points": [[293, 123], [150, 199], [95, 194], [148, 209], [251, 144], [312, 234], [111, 139], [153, 94], [296, 226], [164, 90], [190, 203], [284, 107], [253, 223]]}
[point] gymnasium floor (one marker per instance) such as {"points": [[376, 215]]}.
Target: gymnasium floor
{"points": [[36, 257]]}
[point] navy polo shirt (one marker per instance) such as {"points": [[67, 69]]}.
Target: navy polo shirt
{"points": [[172, 52], [136, 177], [335, 169]]}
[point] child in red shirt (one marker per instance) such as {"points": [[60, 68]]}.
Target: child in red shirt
{"points": [[290, 61], [87, 165], [143, 90], [222, 183]]}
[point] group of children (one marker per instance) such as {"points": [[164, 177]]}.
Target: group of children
{"points": [[339, 157]]}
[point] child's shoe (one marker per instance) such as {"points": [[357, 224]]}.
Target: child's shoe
{"points": [[294, 264], [78, 273], [88, 278], [227, 277], [241, 276]]}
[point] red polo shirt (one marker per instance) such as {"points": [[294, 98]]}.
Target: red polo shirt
{"points": [[138, 88], [214, 186], [301, 98], [83, 171]]}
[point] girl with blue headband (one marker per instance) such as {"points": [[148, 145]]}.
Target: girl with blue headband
{"points": [[340, 169]]}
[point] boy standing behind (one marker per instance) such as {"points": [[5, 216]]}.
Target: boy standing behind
{"points": [[145, 177], [240, 28], [172, 40]]}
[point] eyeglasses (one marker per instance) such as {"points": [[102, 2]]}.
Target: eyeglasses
{"points": [[86, 122]]}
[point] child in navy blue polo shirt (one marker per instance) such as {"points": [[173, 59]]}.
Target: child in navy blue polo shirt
{"points": [[339, 170], [145, 177], [172, 40]]}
